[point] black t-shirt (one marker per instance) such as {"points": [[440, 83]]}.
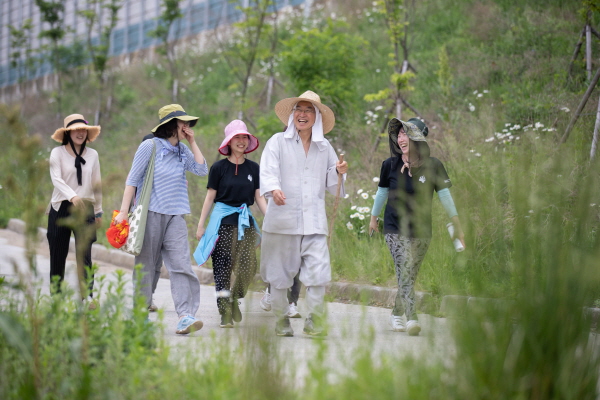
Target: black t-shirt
{"points": [[234, 190], [408, 209]]}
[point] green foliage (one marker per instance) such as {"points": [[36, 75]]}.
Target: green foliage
{"points": [[170, 13], [444, 73], [323, 59]]}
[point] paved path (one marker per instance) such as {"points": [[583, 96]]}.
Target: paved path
{"points": [[351, 326]]}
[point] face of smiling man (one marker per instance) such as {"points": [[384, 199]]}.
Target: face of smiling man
{"points": [[304, 115]]}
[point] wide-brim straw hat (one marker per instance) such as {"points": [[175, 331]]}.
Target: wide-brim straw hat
{"points": [[167, 113], [415, 129], [284, 108], [237, 127], [73, 122]]}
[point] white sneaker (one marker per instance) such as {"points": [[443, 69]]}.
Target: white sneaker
{"points": [[293, 311], [265, 302], [413, 328], [398, 323]]}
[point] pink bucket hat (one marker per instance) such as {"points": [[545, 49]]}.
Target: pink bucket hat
{"points": [[237, 127]]}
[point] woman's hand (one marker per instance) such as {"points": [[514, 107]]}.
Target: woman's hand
{"points": [[374, 224], [78, 202], [189, 134], [341, 167], [122, 216], [200, 232]]}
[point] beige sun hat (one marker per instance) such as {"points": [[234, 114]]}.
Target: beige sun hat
{"points": [[284, 108], [168, 112], [76, 121]]}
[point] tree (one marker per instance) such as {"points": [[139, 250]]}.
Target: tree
{"points": [[52, 13], [247, 46], [171, 13], [20, 58], [322, 59], [395, 15], [99, 52]]}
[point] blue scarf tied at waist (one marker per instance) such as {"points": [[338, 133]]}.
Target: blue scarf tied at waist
{"points": [[211, 235]]}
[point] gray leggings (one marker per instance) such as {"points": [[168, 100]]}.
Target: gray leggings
{"points": [[167, 236], [408, 254]]}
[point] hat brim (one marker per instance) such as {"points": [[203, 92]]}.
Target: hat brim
{"points": [[188, 118], [93, 132], [412, 131], [284, 108], [252, 145]]}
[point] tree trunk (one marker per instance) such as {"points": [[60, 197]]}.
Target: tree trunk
{"points": [[595, 137], [584, 100], [588, 51], [576, 52]]}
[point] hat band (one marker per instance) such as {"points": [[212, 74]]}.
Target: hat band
{"points": [[173, 115], [76, 121]]}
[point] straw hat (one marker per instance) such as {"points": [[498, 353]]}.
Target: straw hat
{"points": [[76, 121], [167, 113], [237, 127], [284, 108]]}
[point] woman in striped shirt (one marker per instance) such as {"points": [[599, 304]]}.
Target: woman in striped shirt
{"points": [[166, 230]]}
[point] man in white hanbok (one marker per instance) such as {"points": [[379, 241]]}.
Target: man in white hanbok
{"points": [[296, 168]]}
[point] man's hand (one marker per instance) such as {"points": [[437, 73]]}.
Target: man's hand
{"points": [[341, 167], [279, 197]]}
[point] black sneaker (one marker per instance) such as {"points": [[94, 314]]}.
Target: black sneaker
{"points": [[235, 311], [226, 321], [314, 326], [284, 328]]}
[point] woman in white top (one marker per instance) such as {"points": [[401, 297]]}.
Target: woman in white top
{"points": [[76, 204]]}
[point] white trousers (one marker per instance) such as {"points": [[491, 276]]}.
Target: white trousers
{"points": [[282, 256]]}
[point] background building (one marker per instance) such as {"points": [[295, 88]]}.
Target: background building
{"points": [[136, 19]]}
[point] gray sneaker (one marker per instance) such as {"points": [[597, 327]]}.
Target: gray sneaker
{"points": [[284, 328], [313, 325]]}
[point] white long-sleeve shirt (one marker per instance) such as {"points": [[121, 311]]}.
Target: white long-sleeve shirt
{"points": [[303, 178], [64, 178]]}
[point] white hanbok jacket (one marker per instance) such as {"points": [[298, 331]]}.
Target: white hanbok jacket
{"points": [[303, 178]]}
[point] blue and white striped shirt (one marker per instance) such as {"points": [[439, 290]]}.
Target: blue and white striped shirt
{"points": [[169, 189]]}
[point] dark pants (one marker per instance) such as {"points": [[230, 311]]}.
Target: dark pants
{"points": [[237, 256], [293, 293], [60, 226]]}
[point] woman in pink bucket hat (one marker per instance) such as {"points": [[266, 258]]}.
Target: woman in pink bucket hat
{"points": [[232, 232]]}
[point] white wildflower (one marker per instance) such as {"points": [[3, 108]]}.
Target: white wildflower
{"points": [[365, 195], [565, 109], [475, 92], [378, 108], [378, 70], [530, 211], [486, 91], [353, 208], [346, 196], [480, 95], [373, 197], [359, 191], [477, 154], [507, 124], [349, 226], [490, 139], [539, 125], [375, 179], [471, 107]]}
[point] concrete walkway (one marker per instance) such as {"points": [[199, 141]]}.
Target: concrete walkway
{"points": [[351, 326]]}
